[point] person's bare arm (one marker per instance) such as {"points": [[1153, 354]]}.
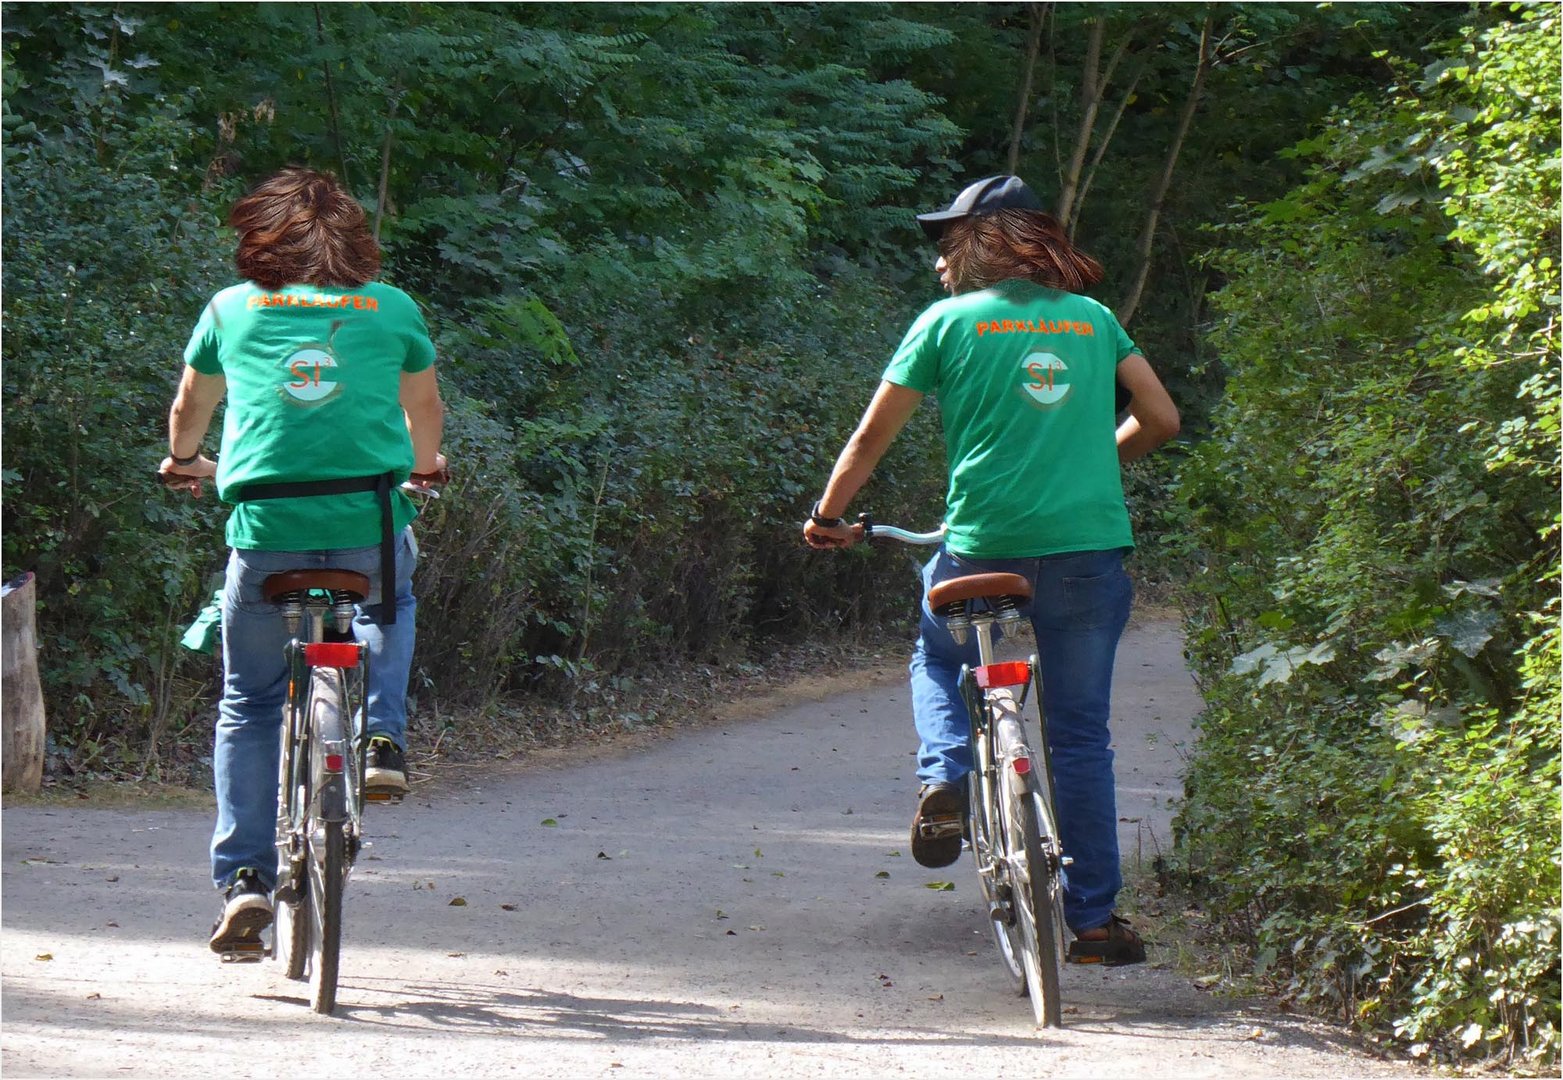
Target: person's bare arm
{"points": [[188, 421], [892, 406], [1153, 418], [420, 399]]}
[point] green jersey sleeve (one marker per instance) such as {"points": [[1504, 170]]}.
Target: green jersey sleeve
{"points": [[413, 329], [915, 364], [201, 352], [1122, 343]]}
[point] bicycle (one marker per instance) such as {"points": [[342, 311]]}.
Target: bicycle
{"points": [[1011, 825], [320, 785]]}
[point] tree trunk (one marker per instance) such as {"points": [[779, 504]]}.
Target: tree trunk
{"points": [[336, 123], [1023, 102], [1125, 310], [1093, 89], [1072, 221], [21, 694], [1090, 98], [385, 164]]}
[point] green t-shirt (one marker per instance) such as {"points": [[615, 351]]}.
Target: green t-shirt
{"points": [[314, 393], [1025, 379]]}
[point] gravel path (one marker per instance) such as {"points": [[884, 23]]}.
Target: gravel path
{"points": [[732, 900]]}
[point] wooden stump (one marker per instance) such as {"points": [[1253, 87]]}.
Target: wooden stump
{"points": [[21, 694]]}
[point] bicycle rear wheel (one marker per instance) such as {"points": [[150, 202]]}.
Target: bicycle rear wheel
{"points": [[327, 873], [985, 820], [1037, 894], [327, 833]]}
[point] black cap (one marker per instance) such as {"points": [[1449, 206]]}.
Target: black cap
{"points": [[984, 197]]}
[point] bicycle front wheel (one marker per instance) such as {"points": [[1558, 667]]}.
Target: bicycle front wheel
{"points": [[290, 934]]}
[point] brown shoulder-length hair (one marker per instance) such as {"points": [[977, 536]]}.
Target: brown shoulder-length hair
{"points": [[299, 227], [985, 249]]}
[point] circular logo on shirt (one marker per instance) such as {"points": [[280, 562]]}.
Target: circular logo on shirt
{"points": [[1044, 380], [310, 373]]}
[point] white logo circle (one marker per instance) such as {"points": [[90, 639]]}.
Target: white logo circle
{"points": [[1045, 379], [308, 371]]}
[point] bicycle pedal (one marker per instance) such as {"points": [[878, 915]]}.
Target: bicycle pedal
{"points": [[245, 952], [939, 828]]}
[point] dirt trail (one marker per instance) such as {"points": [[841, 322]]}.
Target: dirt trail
{"points": [[730, 901]]}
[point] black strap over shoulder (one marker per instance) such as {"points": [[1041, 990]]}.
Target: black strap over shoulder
{"points": [[381, 484]]}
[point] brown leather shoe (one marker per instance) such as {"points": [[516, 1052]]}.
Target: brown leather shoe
{"points": [[1113, 945], [937, 826]]}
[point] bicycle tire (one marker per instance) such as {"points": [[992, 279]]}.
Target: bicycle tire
{"points": [[327, 873], [327, 833], [985, 821], [1033, 881], [290, 934]]}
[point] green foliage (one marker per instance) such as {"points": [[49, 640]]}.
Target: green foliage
{"points": [[95, 312], [1375, 797]]}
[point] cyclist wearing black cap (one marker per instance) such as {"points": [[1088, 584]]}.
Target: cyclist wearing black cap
{"points": [[1025, 369]]}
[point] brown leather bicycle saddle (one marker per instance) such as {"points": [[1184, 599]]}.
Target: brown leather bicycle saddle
{"points": [[290, 581], [978, 586]]}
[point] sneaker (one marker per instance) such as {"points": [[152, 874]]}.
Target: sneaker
{"points": [[938, 824], [1112, 945], [246, 912], [386, 773]]}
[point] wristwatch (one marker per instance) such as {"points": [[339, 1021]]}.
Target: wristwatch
{"points": [[825, 522]]}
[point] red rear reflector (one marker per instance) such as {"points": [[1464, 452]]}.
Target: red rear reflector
{"points": [[1022, 766], [1009, 673], [333, 763], [332, 653]]}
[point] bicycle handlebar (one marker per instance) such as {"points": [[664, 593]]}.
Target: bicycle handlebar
{"points": [[867, 529], [417, 484]]}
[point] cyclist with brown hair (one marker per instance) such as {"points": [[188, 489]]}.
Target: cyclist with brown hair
{"points": [[1025, 370], [332, 401]]}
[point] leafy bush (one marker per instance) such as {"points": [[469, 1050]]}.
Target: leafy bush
{"points": [[1375, 795]]}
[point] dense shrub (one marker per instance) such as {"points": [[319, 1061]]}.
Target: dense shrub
{"points": [[1374, 801]]}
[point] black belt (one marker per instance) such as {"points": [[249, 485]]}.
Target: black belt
{"points": [[381, 485]]}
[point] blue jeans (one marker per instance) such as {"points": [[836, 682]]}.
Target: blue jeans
{"points": [[1079, 610], [247, 754]]}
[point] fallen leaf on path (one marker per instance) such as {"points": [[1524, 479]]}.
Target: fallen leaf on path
{"points": [[940, 886], [883, 873], [94, 997], [935, 997], [458, 901], [457, 955], [507, 907], [604, 855], [732, 933], [549, 822], [757, 928], [44, 956]]}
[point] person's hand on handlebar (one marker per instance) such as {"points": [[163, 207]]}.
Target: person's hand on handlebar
{"points": [[431, 481], [831, 536], [186, 477]]}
